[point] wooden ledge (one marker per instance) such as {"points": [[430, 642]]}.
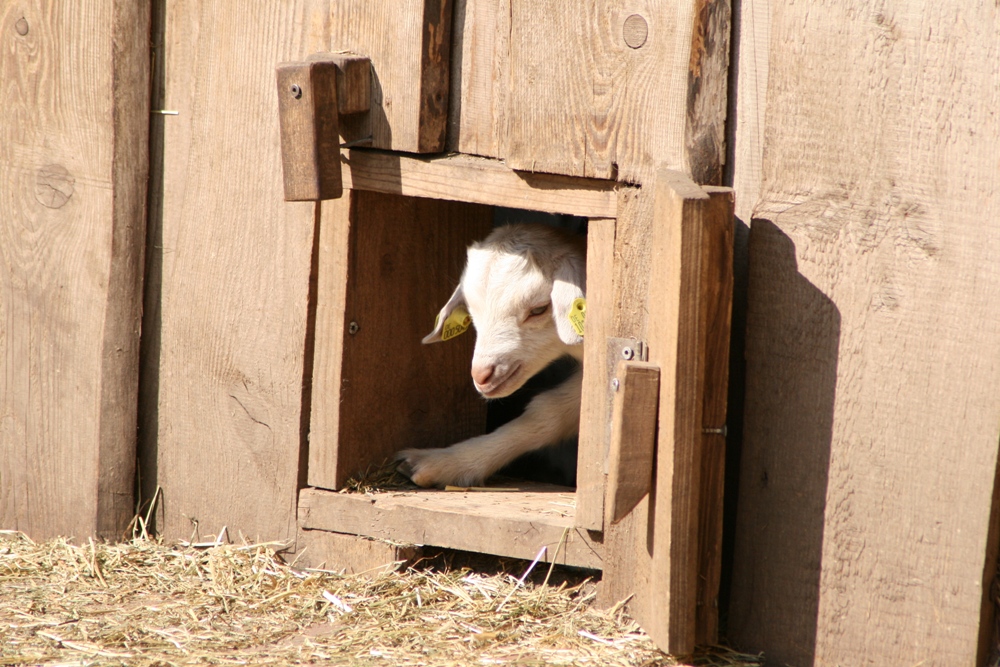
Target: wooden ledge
{"points": [[507, 522], [477, 180]]}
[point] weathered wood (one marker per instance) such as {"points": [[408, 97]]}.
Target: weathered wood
{"points": [[409, 43], [480, 81], [310, 131], [708, 92], [350, 554], [873, 347], [479, 181], [377, 389], [716, 315], [73, 163], [583, 102], [590, 475], [354, 81], [228, 279], [633, 438], [515, 523]]}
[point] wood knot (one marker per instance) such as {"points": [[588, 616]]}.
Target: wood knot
{"points": [[635, 31], [21, 26], [53, 186]]}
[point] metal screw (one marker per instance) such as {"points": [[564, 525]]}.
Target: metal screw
{"points": [[296, 91], [353, 328], [627, 353], [615, 384], [724, 431]]}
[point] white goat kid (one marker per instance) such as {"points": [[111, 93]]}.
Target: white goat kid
{"points": [[519, 285]]}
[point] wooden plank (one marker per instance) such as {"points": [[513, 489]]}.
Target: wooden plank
{"points": [[515, 523], [377, 389], [479, 181], [869, 460], [627, 562], [590, 475], [633, 438], [585, 103], [308, 115], [228, 275], [409, 43], [74, 163], [480, 81], [676, 343], [350, 554], [708, 92], [716, 315]]}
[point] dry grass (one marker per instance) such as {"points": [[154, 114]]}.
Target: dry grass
{"points": [[145, 603]]}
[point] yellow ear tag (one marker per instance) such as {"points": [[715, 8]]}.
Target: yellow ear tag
{"points": [[577, 314], [455, 324]]}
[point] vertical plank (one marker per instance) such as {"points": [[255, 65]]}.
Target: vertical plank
{"points": [[409, 43], [585, 103], [229, 276], [73, 161], [873, 348], [716, 314], [480, 78], [590, 476], [380, 390], [676, 344], [708, 92]]}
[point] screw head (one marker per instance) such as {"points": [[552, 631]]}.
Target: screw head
{"points": [[353, 328], [627, 353], [615, 384], [296, 91]]}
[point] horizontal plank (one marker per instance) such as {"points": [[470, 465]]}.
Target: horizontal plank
{"points": [[514, 522], [479, 181]]}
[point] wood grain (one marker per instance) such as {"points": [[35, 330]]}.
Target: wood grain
{"points": [[350, 554], [229, 274], [386, 391], [708, 92], [590, 475], [716, 316], [869, 460], [480, 81], [73, 161], [310, 130], [409, 43], [633, 438], [515, 523], [479, 181], [584, 103]]}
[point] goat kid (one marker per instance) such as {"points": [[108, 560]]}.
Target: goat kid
{"points": [[519, 285]]}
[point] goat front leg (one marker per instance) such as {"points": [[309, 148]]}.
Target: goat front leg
{"points": [[550, 417]]}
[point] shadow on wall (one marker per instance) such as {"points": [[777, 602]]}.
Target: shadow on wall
{"points": [[792, 342]]}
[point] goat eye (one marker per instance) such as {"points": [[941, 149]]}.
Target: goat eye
{"points": [[535, 312]]}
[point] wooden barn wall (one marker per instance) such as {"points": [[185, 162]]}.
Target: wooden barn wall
{"points": [[73, 164], [867, 163], [228, 273]]}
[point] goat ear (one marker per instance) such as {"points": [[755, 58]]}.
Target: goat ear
{"points": [[569, 282], [457, 300]]}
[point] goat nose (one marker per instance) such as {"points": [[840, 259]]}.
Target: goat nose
{"points": [[482, 374]]}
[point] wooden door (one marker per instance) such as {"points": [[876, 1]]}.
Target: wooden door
{"points": [[666, 552]]}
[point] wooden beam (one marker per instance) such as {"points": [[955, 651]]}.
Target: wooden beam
{"points": [[633, 438], [477, 180], [593, 445], [74, 168], [350, 554], [515, 523]]}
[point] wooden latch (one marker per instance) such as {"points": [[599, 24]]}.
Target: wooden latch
{"points": [[633, 437], [312, 95]]}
